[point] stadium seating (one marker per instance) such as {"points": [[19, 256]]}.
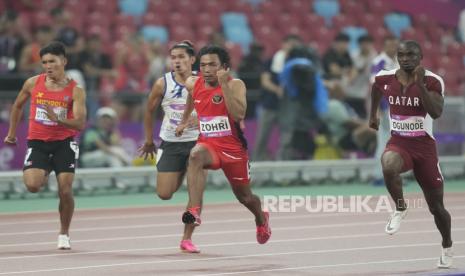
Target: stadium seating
{"points": [[327, 9], [354, 33], [134, 8], [397, 22], [151, 33], [246, 21]]}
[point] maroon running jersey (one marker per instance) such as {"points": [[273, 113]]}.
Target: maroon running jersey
{"points": [[408, 117], [412, 127]]}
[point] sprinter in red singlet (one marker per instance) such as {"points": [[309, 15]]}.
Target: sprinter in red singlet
{"points": [[57, 113], [220, 103], [416, 97]]}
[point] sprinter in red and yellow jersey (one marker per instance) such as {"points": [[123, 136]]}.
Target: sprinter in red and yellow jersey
{"points": [[57, 114]]}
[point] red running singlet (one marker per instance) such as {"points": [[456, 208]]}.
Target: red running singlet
{"points": [[40, 126]]}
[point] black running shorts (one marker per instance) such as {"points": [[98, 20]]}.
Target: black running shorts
{"points": [[173, 156], [59, 156]]}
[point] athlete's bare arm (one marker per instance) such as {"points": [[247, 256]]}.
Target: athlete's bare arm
{"points": [[78, 121], [17, 109], [376, 95], [234, 95], [155, 97], [190, 82], [433, 102]]}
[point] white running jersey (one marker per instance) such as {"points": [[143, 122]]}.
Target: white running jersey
{"points": [[173, 104]]}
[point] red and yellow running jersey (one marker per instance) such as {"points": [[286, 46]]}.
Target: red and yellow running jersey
{"points": [[40, 126], [216, 126]]}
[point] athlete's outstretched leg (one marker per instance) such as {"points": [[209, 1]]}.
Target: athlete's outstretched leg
{"points": [[392, 164], [66, 206], [199, 159], [434, 199], [245, 196]]}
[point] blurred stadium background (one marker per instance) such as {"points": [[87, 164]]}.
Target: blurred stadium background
{"points": [[133, 38]]}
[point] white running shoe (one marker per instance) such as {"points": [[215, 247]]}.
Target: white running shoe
{"points": [[393, 224], [63, 242], [445, 261]]}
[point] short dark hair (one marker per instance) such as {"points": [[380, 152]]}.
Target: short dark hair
{"points": [[185, 44], [55, 48], [299, 52], [342, 37], [56, 12], [222, 54], [44, 29], [365, 38], [292, 37], [389, 37], [412, 43]]}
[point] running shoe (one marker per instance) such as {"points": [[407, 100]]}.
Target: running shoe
{"points": [[445, 261], [188, 247], [264, 230], [64, 242], [191, 216], [393, 224]]}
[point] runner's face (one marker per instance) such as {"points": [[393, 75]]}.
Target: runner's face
{"points": [[209, 65], [181, 62], [408, 57], [54, 66]]}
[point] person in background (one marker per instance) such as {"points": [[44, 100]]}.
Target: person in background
{"points": [[271, 93], [305, 100], [30, 61], [358, 89], [96, 65], [101, 144], [386, 60]]}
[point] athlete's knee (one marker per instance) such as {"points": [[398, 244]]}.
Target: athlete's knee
{"points": [[437, 209], [390, 171], [246, 199], [196, 158], [33, 187], [34, 183], [65, 192], [164, 195]]}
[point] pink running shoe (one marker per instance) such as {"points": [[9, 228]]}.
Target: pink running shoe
{"points": [[264, 231], [191, 216], [188, 247]]}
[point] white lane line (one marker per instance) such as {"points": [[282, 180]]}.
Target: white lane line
{"points": [[140, 208], [158, 225], [156, 214], [209, 233], [281, 216], [337, 265], [335, 237], [237, 257]]}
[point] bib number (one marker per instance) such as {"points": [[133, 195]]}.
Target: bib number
{"points": [[215, 126], [41, 115], [410, 126]]}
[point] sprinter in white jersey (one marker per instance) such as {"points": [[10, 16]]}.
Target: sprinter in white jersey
{"points": [[173, 153]]}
